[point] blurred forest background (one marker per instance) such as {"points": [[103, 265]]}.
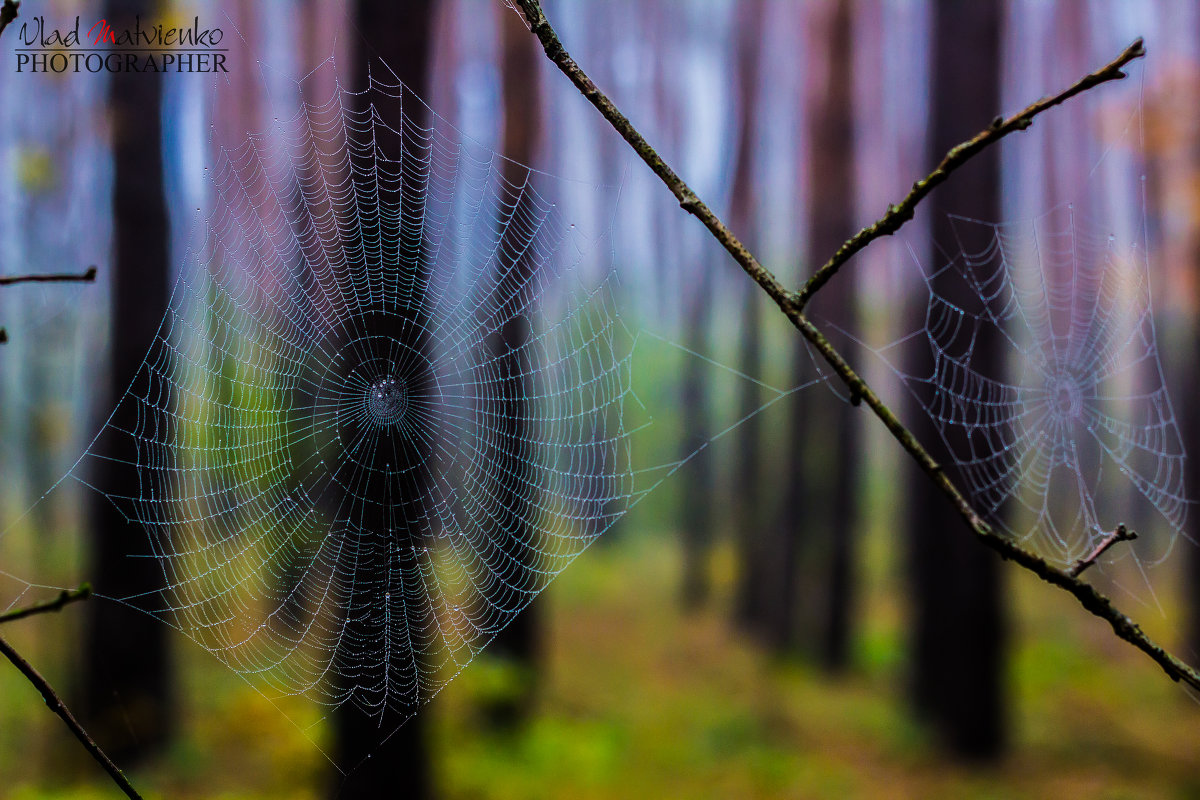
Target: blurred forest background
{"points": [[792, 613]]}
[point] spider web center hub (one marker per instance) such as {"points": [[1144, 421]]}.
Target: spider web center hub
{"points": [[387, 401], [1065, 396]]}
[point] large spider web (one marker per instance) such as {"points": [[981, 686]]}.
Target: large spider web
{"points": [[383, 409], [389, 401], [1046, 384]]}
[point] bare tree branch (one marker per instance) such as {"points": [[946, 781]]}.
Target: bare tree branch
{"points": [[55, 703], [65, 597], [1092, 600], [58, 277], [1121, 534], [902, 212], [58, 707], [683, 193], [55, 277]]}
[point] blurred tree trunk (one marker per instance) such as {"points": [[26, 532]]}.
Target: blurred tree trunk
{"points": [[1190, 369], [398, 33], [833, 428], [959, 626], [790, 577], [127, 702], [751, 601], [1190, 431], [696, 515], [519, 642]]}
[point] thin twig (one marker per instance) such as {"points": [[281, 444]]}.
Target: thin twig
{"points": [[54, 277], [8, 13], [688, 200], [65, 597], [58, 707], [59, 277], [902, 212], [1121, 534], [1088, 597]]}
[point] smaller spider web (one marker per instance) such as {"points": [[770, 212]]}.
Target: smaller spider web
{"points": [[1041, 374]]}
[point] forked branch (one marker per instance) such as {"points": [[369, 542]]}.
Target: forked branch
{"points": [[1121, 534], [791, 304], [958, 155], [688, 200]]}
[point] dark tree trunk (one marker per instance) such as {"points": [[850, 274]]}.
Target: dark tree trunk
{"points": [[1190, 431], [696, 515], [788, 626], [126, 703], [519, 642], [1190, 419], [959, 626], [792, 578], [831, 204], [812, 557], [396, 34], [748, 517]]}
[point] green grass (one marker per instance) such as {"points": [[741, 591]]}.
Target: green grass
{"points": [[640, 700]]}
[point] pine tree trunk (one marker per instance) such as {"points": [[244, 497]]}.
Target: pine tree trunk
{"points": [[832, 208], [398, 33], [752, 602], [1189, 414], [812, 578], [520, 641], [696, 515], [127, 703], [959, 625]]}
